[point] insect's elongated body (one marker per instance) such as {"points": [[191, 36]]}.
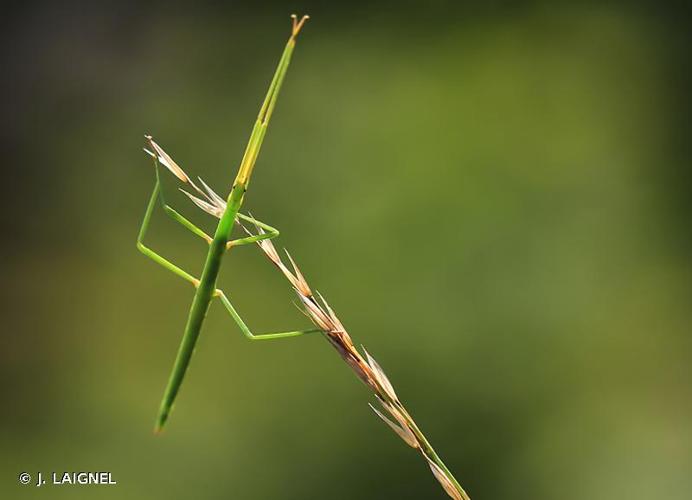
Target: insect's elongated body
{"points": [[200, 303], [228, 213]]}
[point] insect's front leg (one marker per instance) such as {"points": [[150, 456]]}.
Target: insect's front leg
{"points": [[246, 330]]}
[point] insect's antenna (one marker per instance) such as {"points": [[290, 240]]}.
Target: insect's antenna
{"points": [[297, 25]]}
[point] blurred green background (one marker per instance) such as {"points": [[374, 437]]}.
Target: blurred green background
{"points": [[495, 199]]}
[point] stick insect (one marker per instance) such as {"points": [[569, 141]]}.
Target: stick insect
{"points": [[228, 213]]}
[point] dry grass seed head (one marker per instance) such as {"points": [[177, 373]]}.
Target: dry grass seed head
{"points": [[380, 376], [166, 160], [403, 432], [444, 480]]}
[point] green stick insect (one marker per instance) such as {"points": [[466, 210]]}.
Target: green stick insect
{"points": [[228, 212]]}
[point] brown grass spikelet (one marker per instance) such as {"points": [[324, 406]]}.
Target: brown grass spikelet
{"points": [[366, 368]]}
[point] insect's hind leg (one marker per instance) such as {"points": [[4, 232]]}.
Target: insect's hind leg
{"points": [[162, 261], [174, 214]]}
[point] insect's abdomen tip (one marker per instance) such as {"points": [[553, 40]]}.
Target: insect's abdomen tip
{"points": [[297, 25]]}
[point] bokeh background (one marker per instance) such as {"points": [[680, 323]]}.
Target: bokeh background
{"points": [[495, 199]]}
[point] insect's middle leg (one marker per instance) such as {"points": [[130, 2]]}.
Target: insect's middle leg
{"points": [[265, 232]]}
